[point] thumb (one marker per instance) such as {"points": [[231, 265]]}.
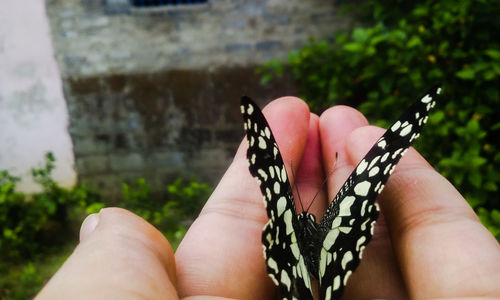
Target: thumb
{"points": [[120, 256]]}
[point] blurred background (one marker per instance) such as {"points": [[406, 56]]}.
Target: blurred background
{"points": [[135, 103]]}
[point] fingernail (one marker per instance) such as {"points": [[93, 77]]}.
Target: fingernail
{"points": [[88, 226]]}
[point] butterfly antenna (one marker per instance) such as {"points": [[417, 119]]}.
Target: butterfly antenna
{"points": [[296, 187], [324, 181]]}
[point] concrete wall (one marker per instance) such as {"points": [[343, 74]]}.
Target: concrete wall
{"points": [[155, 93], [33, 114]]}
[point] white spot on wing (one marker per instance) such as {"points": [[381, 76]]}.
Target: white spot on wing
{"points": [[346, 259], [360, 242], [272, 264], [295, 250], [330, 238], [303, 267], [361, 252], [363, 225], [250, 109], [387, 168], [363, 207], [395, 126], [267, 132], [426, 99], [374, 161], [322, 262], [384, 157], [336, 283], [288, 222], [345, 206], [396, 153], [271, 171], [328, 293], [382, 143], [262, 143], [346, 277], [283, 174], [405, 130], [374, 171], [274, 279], [277, 188], [285, 279], [281, 205], [362, 188], [361, 167], [262, 174]]}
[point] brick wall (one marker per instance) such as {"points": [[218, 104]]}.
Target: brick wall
{"points": [[155, 93]]}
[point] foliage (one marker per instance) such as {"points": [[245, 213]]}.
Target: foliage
{"points": [[29, 223], [400, 48], [491, 219], [184, 202]]}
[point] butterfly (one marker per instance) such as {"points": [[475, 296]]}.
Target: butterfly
{"points": [[299, 251]]}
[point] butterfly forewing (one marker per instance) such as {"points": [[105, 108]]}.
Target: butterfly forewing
{"points": [[285, 263], [348, 223]]}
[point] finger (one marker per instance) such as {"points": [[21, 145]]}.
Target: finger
{"points": [[378, 274], [336, 124], [438, 240], [221, 254], [120, 256], [308, 191]]}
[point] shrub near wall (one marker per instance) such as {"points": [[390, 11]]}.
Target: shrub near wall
{"points": [[39, 231], [396, 51]]}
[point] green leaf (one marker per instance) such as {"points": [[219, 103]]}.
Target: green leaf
{"points": [[360, 35], [466, 74], [495, 216], [475, 179], [493, 53], [353, 47], [495, 126], [414, 41]]}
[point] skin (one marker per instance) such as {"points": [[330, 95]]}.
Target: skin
{"points": [[428, 242]]}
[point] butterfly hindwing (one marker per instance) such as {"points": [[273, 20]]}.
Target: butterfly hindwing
{"points": [[348, 223], [285, 263]]}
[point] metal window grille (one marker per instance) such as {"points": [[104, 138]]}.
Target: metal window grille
{"points": [[153, 3]]}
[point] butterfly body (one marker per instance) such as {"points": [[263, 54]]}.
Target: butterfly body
{"points": [[309, 238], [298, 250]]}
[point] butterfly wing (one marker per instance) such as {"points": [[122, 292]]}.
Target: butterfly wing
{"points": [[285, 263], [348, 223]]}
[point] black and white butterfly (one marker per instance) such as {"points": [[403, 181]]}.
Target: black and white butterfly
{"points": [[295, 246]]}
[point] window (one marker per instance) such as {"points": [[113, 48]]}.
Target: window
{"points": [[153, 3]]}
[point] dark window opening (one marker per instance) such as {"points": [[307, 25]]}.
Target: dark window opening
{"points": [[149, 3]]}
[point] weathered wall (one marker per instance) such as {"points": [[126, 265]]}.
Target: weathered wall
{"points": [[156, 94], [33, 115], [158, 125], [89, 41]]}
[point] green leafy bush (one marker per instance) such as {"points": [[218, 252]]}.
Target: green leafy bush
{"points": [[396, 51], [184, 202], [20, 220], [29, 223]]}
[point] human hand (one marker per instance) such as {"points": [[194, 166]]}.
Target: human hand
{"points": [[429, 244]]}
